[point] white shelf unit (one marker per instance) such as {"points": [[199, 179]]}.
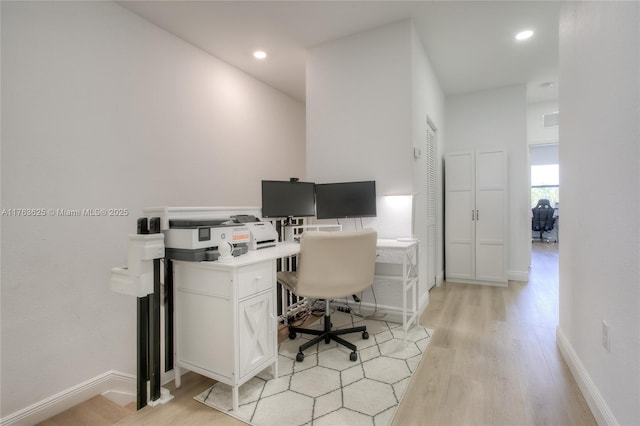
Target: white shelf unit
{"points": [[403, 253]]}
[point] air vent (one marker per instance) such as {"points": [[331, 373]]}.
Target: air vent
{"points": [[551, 120]]}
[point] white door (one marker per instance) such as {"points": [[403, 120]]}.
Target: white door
{"points": [[491, 220], [460, 213]]}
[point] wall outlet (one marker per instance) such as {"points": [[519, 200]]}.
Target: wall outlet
{"points": [[605, 336]]}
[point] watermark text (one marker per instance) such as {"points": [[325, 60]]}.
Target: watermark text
{"points": [[62, 212]]}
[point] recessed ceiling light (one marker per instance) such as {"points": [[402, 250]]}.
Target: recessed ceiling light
{"points": [[523, 35], [547, 84], [260, 54]]}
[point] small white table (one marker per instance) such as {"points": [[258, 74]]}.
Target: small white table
{"points": [[404, 252]]}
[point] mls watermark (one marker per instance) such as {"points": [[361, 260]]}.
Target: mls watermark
{"points": [[60, 212]]}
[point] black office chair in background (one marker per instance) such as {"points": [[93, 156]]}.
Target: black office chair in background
{"points": [[542, 220]]}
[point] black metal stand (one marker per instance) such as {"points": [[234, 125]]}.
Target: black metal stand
{"points": [[142, 352], [148, 346], [168, 315]]}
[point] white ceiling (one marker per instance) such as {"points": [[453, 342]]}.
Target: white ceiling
{"points": [[470, 44]]}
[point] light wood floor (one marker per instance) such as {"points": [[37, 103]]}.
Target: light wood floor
{"points": [[492, 360]]}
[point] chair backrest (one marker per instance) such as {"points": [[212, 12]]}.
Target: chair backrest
{"points": [[543, 202], [336, 264], [542, 216]]}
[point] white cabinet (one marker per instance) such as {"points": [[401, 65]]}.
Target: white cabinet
{"points": [[476, 216], [225, 320]]}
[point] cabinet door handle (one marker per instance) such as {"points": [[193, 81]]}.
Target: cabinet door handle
{"points": [[477, 214]]}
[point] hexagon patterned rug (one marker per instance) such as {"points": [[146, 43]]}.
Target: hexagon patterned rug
{"points": [[327, 388]]}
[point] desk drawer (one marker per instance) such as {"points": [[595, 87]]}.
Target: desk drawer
{"points": [[253, 279], [387, 255], [193, 277]]}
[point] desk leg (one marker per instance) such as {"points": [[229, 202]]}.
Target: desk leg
{"points": [[405, 280], [177, 376], [234, 395]]}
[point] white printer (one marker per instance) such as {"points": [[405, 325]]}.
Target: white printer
{"points": [[194, 233], [198, 239], [263, 234]]}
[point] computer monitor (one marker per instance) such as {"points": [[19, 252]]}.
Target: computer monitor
{"points": [[346, 200], [288, 199]]}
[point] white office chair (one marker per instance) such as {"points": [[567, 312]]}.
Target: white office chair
{"points": [[332, 265]]}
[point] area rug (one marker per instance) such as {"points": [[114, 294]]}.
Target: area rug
{"points": [[327, 388]]}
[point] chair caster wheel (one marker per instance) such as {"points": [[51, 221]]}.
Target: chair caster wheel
{"points": [[292, 335], [327, 340], [365, 335], [353, 356], [300, 357]]}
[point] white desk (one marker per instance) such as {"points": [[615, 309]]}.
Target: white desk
{"points": [[225, 312]]}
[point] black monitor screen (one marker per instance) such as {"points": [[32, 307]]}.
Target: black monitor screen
{"points": [[288, 199], [346, 199]]}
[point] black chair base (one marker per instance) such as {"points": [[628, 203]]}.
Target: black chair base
{"points": [[542, 238], [327, 334]]}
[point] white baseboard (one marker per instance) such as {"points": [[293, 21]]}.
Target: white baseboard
{"points": [[478, 282], [595, 401], [422, 304], [111, 381]]}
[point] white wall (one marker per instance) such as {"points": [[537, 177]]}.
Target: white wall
{"points": [[600, 163], [536, 132], [498, 119], [103, 110], [359, 109], [428, 101], [368, 96]]}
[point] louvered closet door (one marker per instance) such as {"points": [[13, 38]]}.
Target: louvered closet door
{"points": [[432, 154], [460, 210], [491, 208]]}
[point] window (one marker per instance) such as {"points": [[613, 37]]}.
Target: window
{"points": [[545, 181]]}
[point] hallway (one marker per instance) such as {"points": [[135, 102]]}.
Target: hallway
{"points": [[493, 357]]}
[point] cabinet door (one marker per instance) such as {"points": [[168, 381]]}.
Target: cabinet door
{"points": [[460, 211], [203, 326], [256, 327], [491, 216]]}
